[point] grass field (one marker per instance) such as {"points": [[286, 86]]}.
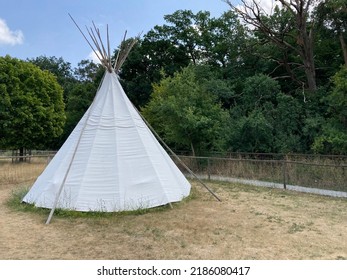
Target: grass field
{"points": [[249, 223]]}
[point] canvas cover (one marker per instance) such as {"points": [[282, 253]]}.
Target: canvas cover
{"points": [[110, 162]]}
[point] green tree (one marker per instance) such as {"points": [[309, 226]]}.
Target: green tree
{"points": [[263, 119], [185, 38], [251, 133], [59, 68], [162, 50], [81, 95], [222, 40], [148, 59], [333, 15], [186, 115], [333, 138], [31, 106], [89, 71], [288, 116]]}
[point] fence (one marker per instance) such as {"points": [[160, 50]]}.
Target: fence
{"points": [[21, 169], [326, 173]]}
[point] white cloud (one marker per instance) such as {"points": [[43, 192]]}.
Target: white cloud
{"points": [[9, 37], [92, 56], [266, 5]]}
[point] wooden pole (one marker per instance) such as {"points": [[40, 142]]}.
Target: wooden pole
{"points": [[176, 157], [70, 164], [284, 171]]}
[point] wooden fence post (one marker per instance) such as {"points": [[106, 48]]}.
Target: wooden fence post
{"points": [[208, 168], [284, 171]]}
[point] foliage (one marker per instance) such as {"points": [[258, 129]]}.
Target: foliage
{"points": [[259, 72], [79, 84], [252, 133], [332, 14], [333, 140], [185, 38], [185, 114], [81, 95], [330, 41], [31, 105], [264, 119], [88, 71], [334, 132], [59, 68]]}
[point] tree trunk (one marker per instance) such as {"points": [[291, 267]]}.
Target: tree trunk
{"points": [[311, 78], [305, 41], [310, 69], [344, 48]]}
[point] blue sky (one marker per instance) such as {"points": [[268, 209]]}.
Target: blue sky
{"points": [[32, 28]]}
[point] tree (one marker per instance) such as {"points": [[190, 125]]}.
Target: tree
{"points": [[81, 95], [333, 138], [186, 115], [185, 38], [215, 84], [333, 15], [31, 106], [264, 119], [59, 68], [147, 61], [295, 34], [251, 133], [223, 40], [89, 71]]}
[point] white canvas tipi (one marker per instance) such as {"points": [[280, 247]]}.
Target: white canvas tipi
{"points": [[110, 162]]}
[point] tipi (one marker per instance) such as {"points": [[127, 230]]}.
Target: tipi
{"points": [[111, 161]]}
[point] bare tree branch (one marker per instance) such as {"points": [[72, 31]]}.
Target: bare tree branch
{"points": [[252, 13]]}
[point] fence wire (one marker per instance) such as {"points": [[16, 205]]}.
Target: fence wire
{"points": [[311, 174]]}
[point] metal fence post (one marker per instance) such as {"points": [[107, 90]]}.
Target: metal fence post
{"points": [[208, 168], [284, 171]]}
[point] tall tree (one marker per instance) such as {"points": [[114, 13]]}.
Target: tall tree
{"points": [[264, 119], [282, 35], [81, 95], [186, 115], [147, 61], [59, 68], [222, 39], [88, 71], [333, 15], [333, 137], [31, 106], [185, 38]]}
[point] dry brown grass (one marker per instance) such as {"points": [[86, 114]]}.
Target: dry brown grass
{"points": [[249, 223], [315, 173], [15, 173]]}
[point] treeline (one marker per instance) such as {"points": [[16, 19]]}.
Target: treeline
{"points": [[245, 81]]}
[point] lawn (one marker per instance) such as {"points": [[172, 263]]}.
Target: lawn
{"points": [[250, 223]]}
